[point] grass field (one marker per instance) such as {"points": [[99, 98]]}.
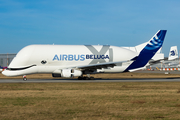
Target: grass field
{"points": [[90, 101]]}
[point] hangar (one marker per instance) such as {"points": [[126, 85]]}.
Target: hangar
{"points": [[5, 59]]}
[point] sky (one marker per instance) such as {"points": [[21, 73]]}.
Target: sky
{"points": [[120, 23]]}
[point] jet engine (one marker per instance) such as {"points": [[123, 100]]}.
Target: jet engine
{"points": [[67, 73]]}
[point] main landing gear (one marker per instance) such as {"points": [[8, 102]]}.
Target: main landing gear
{"points": [[24, 78], [85, 78]]}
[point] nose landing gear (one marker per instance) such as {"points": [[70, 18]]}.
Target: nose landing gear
{"points": [[24, 78]]}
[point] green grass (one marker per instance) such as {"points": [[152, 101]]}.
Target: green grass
{"points": [[77, 101]]}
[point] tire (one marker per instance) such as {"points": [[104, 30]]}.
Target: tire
{"points": [[91, 78], [80, 78], [25, 79], [85, 78]]}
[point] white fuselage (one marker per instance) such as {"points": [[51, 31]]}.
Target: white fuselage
{"points": [[77, 60], [50, 58]]}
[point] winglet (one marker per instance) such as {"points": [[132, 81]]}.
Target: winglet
{"points": [[153, 45]]}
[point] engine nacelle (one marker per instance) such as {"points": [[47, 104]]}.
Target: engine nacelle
{"points": [[67, 73]]}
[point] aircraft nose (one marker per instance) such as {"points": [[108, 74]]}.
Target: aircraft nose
{"points": [[6, 73], [10, 73]]}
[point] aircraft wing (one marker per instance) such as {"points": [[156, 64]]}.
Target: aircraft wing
{"points": [[99, 66], [104, 65]]}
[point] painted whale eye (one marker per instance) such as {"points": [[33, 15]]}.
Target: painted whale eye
{"points": [[43, 61]]}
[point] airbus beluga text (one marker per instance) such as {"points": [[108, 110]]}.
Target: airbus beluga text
{"points": [[79, 60]]}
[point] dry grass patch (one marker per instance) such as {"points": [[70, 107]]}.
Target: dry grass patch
{"points": [[136, 100], [178, 91]]}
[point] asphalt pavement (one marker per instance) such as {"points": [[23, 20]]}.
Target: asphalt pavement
{"points": [[84, 81]]}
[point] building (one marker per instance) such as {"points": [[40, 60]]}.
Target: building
{"points": [[165, 64], [5, 59]]}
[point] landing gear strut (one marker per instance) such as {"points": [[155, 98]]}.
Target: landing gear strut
{"points": [[24, 78]]}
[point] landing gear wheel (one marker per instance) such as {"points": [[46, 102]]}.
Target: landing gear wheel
{"points": [[85, 78], [80, 78], [91, 78], [24, 78]]}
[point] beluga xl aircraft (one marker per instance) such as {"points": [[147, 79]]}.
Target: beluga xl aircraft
{"points": [[79, 60]]}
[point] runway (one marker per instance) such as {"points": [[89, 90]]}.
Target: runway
{"points": [[86, 81]]}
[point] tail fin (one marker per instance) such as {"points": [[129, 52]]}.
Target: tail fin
{"points": [[153, 45], [173, 54]]}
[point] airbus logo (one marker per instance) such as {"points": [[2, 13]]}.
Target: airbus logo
{"points": [[173, 53], [95, 56], [71, 57], [102, 52]]}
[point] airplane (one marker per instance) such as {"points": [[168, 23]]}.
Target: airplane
{"points": [[78, 60], [2, 68], [167, 62], [173, 54]]}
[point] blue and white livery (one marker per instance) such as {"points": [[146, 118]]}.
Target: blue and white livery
{"points": [[173, 54], [79, 60]]}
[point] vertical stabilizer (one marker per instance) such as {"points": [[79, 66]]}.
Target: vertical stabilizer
{"points": [[152, 46], [173, 54]]}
